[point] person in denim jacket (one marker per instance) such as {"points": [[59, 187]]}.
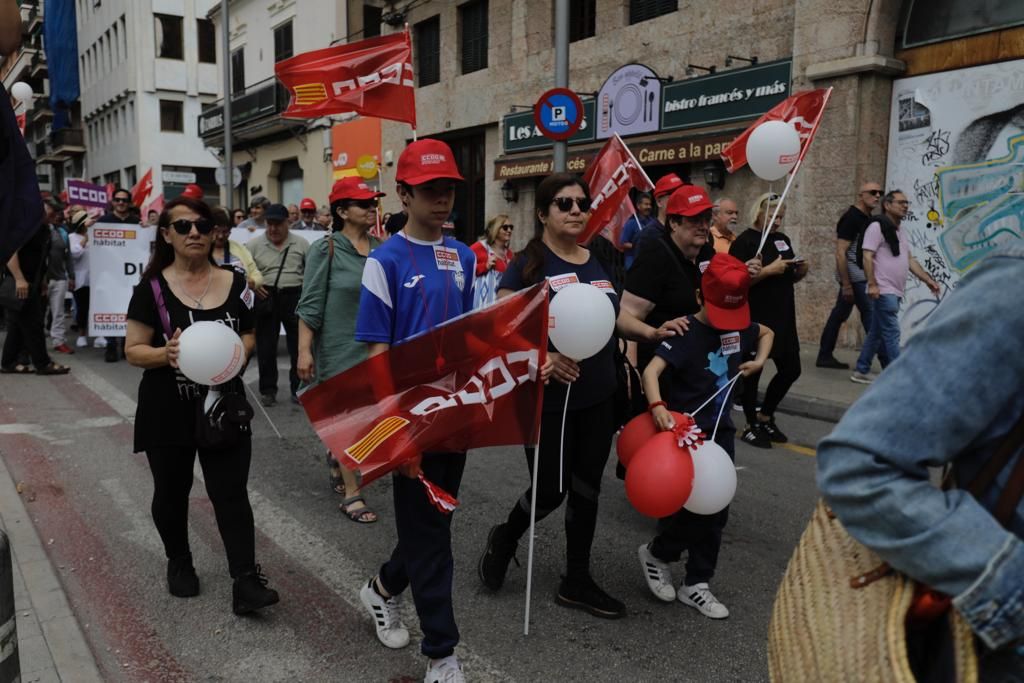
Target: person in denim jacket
{"points": [[951, 398]]}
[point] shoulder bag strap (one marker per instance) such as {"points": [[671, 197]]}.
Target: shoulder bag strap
{"points": [[330, 264], [280, 266], [161, 307], [1014, 490]]}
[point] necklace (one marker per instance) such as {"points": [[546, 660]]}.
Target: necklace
{"points": [[198, 302]]}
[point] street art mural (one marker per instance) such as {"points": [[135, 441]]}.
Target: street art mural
{"points": [[956, 148]]}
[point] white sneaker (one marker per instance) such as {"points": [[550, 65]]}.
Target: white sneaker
{"points": [[99, 343], [703, 600], [658, 575], [391, 632], [862, 378], [446, 670], [81, 342]]}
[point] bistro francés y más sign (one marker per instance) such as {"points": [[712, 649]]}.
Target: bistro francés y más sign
{"points": [[736, 95]]}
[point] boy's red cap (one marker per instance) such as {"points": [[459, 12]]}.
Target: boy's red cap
{"points": [[426, 160], [725, 285]]}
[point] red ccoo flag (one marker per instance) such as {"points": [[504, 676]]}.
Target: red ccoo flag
{"points": [[141, 189], [373, 77], [803, 110], [610, 177], [396, 405]]}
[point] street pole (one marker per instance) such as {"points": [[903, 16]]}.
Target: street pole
{"points": [[229, 166], [561, 71]]}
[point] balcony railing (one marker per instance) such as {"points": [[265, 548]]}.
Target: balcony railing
{"points": [[261, 100], [68, 140]]}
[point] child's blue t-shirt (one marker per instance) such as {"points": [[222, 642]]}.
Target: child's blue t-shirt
{"points": [[410, 286], [703, 360]]}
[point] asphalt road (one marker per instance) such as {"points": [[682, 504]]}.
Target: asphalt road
{"points": [[68, 441]]}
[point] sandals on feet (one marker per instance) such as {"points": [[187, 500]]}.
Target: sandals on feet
{"points": [[17, 369], [363, 515], [53, 369], [337, 483]]}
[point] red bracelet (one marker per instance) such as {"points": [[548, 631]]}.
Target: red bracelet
{"points": [[656, 404]]}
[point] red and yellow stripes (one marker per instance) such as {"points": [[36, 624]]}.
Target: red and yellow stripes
{"points": [[361, 450]]}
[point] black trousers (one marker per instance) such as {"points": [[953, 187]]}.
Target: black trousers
{"points": [[25, 334], [701, 535], [588, 440], [786, 356], [271, 313], [227, 474], [82, 310], [422, 558]]}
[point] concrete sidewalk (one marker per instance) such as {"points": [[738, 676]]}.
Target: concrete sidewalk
{"points": [[51, 646], [819, 393]]}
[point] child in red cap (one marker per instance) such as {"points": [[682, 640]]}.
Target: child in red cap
{"points": [[719, 343]]}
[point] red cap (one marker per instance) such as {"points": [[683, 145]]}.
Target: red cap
{"points": [[724, 285], [426, 160], [192, 191], [688, 200], [307, 204], [352, 187], [667, 184]]}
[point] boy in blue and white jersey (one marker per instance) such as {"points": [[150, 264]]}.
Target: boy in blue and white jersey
{"points": [[415, 281]]}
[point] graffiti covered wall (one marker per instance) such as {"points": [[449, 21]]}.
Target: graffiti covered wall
{"points": [[956, 148]]}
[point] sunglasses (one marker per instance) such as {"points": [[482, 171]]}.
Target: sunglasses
{"points": [[183, 226], [365, 204], [873, 193], [120, 200], [564, 204], [507, 226]]}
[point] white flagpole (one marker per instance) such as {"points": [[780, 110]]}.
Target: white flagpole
{"points": [[767, 226], [630, 153], [533, 525]]}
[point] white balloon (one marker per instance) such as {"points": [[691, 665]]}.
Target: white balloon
{"points": [[582, 320], [22, 92], [210, 353], [714, 480], [772, 149]]}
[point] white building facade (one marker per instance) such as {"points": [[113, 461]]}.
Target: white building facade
{"points": [[146, 69]]}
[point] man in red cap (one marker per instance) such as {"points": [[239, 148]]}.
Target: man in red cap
{"points": [[663, 189], [413, 282], [193, 191], [719, 344], [307, 215]]}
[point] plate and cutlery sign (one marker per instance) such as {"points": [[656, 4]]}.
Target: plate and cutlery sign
{"points": [[629, 102]]}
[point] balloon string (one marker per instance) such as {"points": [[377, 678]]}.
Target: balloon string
{"points": [[725, 401], [727, 385], [561, 446]]}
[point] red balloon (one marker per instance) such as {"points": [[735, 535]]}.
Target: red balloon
{"points": [[660, 476], [638, 432]]}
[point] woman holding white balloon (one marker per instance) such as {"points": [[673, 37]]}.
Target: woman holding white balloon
{"points": [[580, 378], [180, 287]]}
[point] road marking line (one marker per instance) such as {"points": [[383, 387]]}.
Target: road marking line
{"points": [[312, 551], [141, 525], [802, 450]]}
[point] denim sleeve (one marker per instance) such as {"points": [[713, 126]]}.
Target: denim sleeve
{"points": [[958, 381]]}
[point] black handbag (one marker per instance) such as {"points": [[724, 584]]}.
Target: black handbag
{"points": [[9, 292]]}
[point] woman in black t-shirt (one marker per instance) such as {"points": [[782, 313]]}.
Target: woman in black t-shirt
{"points": [[193, 289], [563, 206], [772, 304]]}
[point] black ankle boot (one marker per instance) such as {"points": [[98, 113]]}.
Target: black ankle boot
{"points": [[500, 550], [182, 581], [250, 592]]}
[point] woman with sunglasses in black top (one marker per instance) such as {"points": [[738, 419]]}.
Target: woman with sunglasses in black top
{"points": [[193, 289]]}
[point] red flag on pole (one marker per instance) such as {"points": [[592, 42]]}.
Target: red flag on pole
{"points": [[373, 77], [610, 177], [803, 110], [396, 405], [140, 191]]}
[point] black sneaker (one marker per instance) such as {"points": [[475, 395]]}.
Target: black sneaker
{"points": [[832, 363], [250, 592], [182, 581], [500, 550], [755, 435], [582, 593], [773, 432], [267, 400], [111, 354]]}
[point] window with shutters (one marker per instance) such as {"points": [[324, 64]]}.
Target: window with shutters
{"points": [[372, 18], [473, 34], [283, 42], [207, 41], [238, 71], [642, 10], [428, 51], [582, 19]]}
